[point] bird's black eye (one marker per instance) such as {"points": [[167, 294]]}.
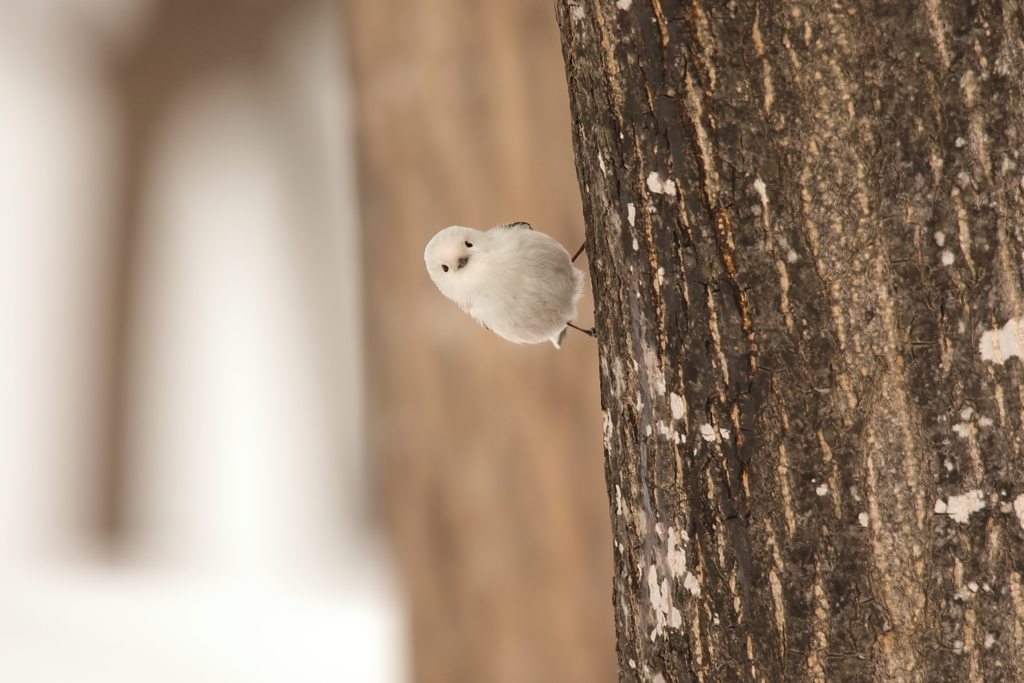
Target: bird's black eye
{"points": [[469, 245], [444, 268]]}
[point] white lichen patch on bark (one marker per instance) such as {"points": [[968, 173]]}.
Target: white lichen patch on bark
{"points": [[964, 429], [672, 435], [676, 560], [617, 376], [960, 508], [631, 215], [863, 519], [659, 185], [664, 614], [653, 366], [1000, 344], [1018, 508], [762, 191], [677, 405], [708, 432]]}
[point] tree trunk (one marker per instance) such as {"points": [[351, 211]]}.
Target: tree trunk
{"points": [[805, 231], [490, 452], [149, 77]]}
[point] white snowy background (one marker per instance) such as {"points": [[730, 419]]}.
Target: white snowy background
{"points": [[247, 554]]}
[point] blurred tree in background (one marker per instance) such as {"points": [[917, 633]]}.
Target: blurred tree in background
{"points": [[490, 452], [181, 489]]}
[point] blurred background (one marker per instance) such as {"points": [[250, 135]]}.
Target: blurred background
{"points": [[242, 436]]}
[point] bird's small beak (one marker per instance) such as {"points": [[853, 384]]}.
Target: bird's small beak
{"points": [[463, 261]]}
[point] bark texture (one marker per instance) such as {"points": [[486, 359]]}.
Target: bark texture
{"points": [[490, 452], [805, 228]]}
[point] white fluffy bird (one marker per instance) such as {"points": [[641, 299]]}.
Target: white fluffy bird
{"points": [[515, 281]]}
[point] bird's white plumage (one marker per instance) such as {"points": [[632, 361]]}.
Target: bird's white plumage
{"points": [[513, 280]]}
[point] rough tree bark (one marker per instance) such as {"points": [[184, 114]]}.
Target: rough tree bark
{"points": [[805, 230]]}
